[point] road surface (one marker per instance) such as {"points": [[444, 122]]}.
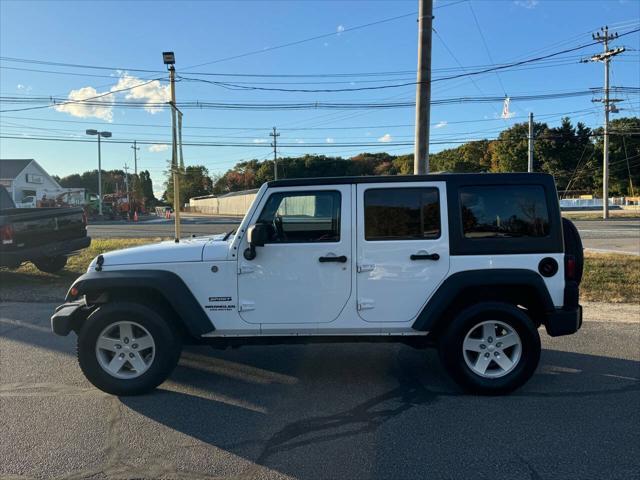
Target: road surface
{"points": [[319, 412], [620, 235]]}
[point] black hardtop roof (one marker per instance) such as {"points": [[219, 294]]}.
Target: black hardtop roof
{"points": [[458, 178]]}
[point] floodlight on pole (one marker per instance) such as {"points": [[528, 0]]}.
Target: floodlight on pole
{"points": [[168, 58], [104, 134]]}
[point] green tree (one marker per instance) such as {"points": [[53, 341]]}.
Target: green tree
{"points": [[509, 152], [194, 182], [624, 157]]}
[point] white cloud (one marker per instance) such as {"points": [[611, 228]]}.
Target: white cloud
{"points": [[101, 107], [340, 29], [528, 4], [330, 140], [385, 138], [299, 140], [259, 140], [24, 88], [151, 93], [441, 123], [158, 147]]}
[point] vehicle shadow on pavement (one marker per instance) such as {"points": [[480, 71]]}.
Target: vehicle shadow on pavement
{"points": [[395, 414]]}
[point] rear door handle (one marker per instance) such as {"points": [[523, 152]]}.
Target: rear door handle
{"points": [[425, 256], [340, 259]]}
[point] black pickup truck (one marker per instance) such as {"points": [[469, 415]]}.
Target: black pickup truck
{"points": [[44, 236]]}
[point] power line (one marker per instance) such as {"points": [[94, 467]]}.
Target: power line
{"points": [[311, 128], [295, 145], [484, 42], [196, 104], [315, 37], [494, 68]]}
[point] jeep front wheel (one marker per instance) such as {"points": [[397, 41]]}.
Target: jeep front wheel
{"points": [[490, 348], [125, 348]]}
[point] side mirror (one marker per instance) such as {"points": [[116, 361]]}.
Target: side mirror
{"points": [[257, 237], [257, 234]]}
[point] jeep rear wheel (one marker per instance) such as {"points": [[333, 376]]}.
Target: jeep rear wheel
{"points": [[490, 348], [126, 348]]}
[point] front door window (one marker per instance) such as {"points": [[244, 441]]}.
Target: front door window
{"points": [[304, 217]]}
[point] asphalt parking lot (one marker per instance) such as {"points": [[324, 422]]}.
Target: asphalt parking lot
{"points": [[320, 411]]}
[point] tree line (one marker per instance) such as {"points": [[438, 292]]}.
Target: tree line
{"points": [[571, 153]]}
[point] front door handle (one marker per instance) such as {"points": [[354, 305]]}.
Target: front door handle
{"points": [[340, 259], [425, 256]]}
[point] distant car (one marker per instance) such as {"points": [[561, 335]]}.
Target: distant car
{"points": [[472, 263], [43, 236]]}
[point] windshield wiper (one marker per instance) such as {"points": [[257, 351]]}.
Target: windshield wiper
{"points": [[228, 234]]}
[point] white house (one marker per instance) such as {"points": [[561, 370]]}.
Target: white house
{"points": [[26, 178]]}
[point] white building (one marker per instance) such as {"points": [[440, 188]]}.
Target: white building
{"points": [[25, 178]]}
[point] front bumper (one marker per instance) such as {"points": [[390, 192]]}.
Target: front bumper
{"points": [[66, 247], [68, 316], [563, 321]]}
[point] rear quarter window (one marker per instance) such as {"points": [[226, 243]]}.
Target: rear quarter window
{"points": [[504, 211]]}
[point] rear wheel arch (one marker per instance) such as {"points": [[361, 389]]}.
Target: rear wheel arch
{"points": [[523, 289]]}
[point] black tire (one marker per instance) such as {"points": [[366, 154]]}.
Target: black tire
{"points": [[165, 336], [50, 264], [452, 356], [573, 246]]}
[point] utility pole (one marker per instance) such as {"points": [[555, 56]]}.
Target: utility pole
{"points": [[170, 60], [530, 162], [423, 88], [605, 57], [274, 144], [135, 157]]}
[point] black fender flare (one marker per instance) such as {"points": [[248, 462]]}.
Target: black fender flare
{"points": [[168, 284], [445, 298]]}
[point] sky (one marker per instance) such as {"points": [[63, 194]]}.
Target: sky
{"points": [[235, 40]]}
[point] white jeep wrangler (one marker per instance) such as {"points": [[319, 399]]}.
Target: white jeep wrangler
{"points": [[471, 263]]}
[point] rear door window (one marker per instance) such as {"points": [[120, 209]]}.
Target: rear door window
{"points": [[401, 214], [502, 211]]}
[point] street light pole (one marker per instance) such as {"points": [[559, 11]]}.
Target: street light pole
{"points": [[170, 60], [104, 134], [99, 178]]}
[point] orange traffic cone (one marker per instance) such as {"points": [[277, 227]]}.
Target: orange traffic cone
{"points": [[135, 216]]}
